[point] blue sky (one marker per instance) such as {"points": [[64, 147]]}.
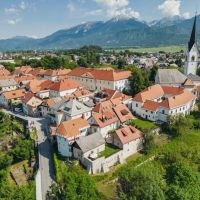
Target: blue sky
{"points": [[38, 18]]}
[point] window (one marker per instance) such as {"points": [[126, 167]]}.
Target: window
{"points": [[136, 105], [193, 59]]}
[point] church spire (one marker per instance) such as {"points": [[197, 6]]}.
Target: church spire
{"points": [[193, 35]]}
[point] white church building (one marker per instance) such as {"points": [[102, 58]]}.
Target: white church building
{"points": [[192, 62]]}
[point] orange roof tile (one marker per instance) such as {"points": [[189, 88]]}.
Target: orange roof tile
{"points": [[39, 85], [128, 133], [105, 118], [151, 105], [172, 102], [23, 78], [123, 113], [72, 128], [149, 93], [58, 72], [15, 94], [103, 106], [82, 92], [188, 82], [27, 97], [101, 74], [65, 84]]}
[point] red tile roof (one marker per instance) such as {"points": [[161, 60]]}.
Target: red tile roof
{"points": [[39, 85], [27, 97], [123, 113], [71, 128], [21, 79], [128, 134], [15, 94], [101, 74], [65, 84], [58, 72], [105, 118]]}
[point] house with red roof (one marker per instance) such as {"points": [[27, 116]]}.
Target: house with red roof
{"points": [[55, 75], [68, 132], [128, 138], [30, 104], [99, 79], [104, 122], [157, 102], [63, 88], [12, 97]]}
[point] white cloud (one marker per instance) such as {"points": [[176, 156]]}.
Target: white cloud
{"points": [[114, 3], [186, 15], [11, 10], [170, 8], [17, 8], [94, 12], [118, 7], [13, 21], [70, 7], [23, 5]]}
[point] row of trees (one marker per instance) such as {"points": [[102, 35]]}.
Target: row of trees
{"points": [[72, 182], [21, 147]]}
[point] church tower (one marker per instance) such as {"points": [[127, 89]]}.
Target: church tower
{"points": [[192, 54]]}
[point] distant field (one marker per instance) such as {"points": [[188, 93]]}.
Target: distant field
{"points": [[153, 50]]}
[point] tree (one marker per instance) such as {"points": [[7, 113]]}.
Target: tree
{"points": [[143, 183], [23, 150], [136, 81], [198, 71], [178, 125], [183, 182], [82, 62], [121, 63], [153, 73]]}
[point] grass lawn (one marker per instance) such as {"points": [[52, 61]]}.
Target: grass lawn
{"points": [[143, 125], [21, 171], [109, 150], [171, 49], [105, 183]]}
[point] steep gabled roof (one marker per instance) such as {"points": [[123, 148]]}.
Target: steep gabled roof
{"points": [[72, 127], [15, 94], [193, 35], [65, 84], [128, 133], [168, 76], [90, 142]]}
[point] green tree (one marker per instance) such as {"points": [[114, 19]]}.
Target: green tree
{"points": [[136, 81], [23, 150], [183, 181], [82, 62], [198, 71], [121, 63], [178, 125], [153, 73], [145, 183]]}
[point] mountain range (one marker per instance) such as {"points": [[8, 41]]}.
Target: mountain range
{"points": [[118, 32]]}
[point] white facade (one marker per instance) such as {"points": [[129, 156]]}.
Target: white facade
{"points": [[192, 60], [103, 130], [8, 88], [94, 84], [65, 144], [54, 93], [161, 113]]}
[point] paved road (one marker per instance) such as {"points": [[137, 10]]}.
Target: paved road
{"points": [[46, 167]]}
